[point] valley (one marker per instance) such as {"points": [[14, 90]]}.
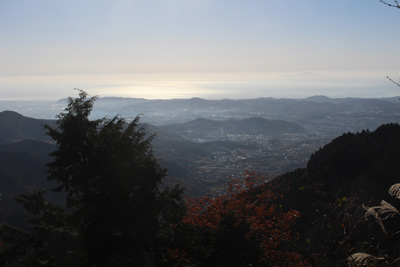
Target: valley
{"points": [[205, 143], [319, 169]]}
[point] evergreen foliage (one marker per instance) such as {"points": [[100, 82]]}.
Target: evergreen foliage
{"points": [[116, 211], [352, 170]]}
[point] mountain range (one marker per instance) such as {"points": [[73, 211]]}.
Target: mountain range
{"points": [[329, 191], [20, 134]]}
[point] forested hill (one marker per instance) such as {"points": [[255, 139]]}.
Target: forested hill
{"points": [[15, 127], [366, 160], [363, 164], [354, 169]]}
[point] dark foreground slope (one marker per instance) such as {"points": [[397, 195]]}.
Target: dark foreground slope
{"points": [[352, 170]]}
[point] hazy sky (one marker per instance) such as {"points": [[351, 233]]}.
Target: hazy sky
{"points": [[198, 48]]}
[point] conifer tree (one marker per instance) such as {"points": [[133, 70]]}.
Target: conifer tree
{"points": [[115, 208]]}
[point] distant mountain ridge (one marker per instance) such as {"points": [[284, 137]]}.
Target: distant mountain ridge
{"points": [[319, 98], [162, 111], [353, 169], [26, 136]]}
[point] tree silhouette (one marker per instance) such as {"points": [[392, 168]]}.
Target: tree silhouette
{"points": [[115, 210]]}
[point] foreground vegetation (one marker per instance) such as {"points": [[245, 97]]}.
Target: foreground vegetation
{"points": [[113, 208]]}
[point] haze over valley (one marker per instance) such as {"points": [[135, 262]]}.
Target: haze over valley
{"points": [[204, 143], [183, 133]]}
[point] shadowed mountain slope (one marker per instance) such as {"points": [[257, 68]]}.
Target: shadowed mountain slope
{"points": [[351, 171], [15, 127]]}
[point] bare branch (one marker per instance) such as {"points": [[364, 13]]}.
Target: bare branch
{"points": [[396, 83], [396, 3]]}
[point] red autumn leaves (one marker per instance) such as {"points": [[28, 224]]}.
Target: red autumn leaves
{"points": [[252, 202]]}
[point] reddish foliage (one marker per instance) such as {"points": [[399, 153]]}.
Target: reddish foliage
{"points": [[250, 201]]}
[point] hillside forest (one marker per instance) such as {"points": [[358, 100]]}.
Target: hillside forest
{"points": [[94, 194]]}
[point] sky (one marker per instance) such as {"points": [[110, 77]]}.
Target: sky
{"points": [[214, 49]]}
